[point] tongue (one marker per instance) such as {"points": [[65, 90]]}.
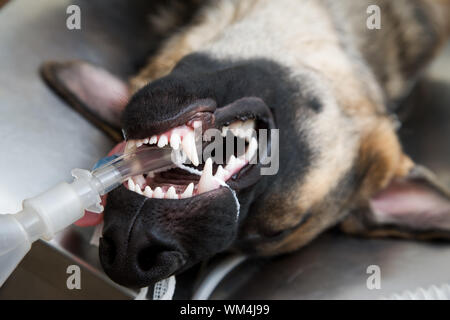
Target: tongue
{"points": [[92, 218]]}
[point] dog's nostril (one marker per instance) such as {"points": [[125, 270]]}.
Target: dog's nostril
{"points": [[148, 257], [109, 250]]}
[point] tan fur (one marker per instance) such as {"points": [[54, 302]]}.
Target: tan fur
{"points": [[206, 26]]}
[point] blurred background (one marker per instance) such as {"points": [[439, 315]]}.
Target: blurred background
{"points": [[43, 139]]}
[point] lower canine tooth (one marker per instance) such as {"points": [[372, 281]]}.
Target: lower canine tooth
{"points": [[188, 192], [158, 193], [207, 181]]}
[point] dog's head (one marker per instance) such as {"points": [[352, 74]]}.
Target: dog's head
{"points": [[334, 152], [330, 162]]}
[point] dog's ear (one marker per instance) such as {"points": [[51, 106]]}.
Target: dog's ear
{"points": [[416, 205], [92, 91]]}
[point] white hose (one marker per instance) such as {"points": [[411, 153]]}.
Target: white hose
{"points": [[214, 276]]}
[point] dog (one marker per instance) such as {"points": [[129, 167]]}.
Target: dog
{"points": [[311, 69]]}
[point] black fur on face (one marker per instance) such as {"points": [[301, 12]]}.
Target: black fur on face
{"points": [[145, 240]]}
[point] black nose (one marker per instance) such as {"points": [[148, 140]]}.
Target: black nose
{"points": [[146, 240], [138, 262]]}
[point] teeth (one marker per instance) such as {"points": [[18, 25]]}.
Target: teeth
{"points": [[171, 193], [188, 145], [251, 149], [145, 141], [138, 189], [224, 131], [175, 141], [163, 141], [247, 128], [153, 140], [207, 181], [148, 192], [139, 180], [130, 185], [130, 146], [234, 164], [221, 173], [188, 192], [158, 193], [235, 127]]}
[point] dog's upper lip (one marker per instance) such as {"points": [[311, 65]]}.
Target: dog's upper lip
{"points": [[202, 109], [244, 108]]}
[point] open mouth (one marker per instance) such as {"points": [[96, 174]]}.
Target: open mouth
{"points": [[178, 183]]}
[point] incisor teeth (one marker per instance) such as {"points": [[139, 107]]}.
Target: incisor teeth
{"points": [[189, 148], [158, 193], [188, 192], [162, 141], [207, 181], [138, 189], [175, 141], [153, 140], [171, 193], [130, 185], [148, 192]]}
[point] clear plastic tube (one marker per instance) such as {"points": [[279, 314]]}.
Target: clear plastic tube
{"points": [[144, 160], [52, 211]]}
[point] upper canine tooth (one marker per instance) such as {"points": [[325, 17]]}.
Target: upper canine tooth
{"points": [[153, 140], [162, 141], [189, 147], [171, 193], [148, 192], [188, 192], [158, 193], [175, 141], [207, 181]]}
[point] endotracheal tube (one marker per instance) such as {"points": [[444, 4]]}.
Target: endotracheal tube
{"points": [[52, 211]]}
